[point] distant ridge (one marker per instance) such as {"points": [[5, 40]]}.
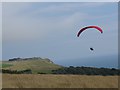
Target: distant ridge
{"points": [[33, 58]]}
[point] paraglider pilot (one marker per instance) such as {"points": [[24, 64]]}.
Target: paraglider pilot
{"points": [[91, 49]]}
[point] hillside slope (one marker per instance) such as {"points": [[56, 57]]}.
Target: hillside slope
{"points": [[36, 65]]}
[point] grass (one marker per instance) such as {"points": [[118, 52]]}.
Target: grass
{"points": [[5, 65], [58, 81], [42, 66]]}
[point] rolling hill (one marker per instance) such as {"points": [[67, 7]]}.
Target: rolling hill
{"points": [[37, 65]]}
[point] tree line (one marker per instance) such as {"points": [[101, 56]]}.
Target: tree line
{"points": [[27, 71], [72, 70], [87, 71]]}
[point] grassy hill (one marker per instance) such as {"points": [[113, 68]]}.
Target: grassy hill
{"points": [[36, 65]]}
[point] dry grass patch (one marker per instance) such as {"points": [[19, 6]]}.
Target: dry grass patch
{"points": [[58, 81]]}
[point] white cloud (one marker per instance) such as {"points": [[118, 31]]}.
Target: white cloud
{"points": [[24, 27], [67, 7], [33, 26]]}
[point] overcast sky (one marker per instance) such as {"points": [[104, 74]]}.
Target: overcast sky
{"points": [[49, 30]]}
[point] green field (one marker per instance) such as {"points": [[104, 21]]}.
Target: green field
{"points": [[5, 65], [37, 66]]}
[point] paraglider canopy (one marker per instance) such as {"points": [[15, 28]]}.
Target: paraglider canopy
{"points": [[96, 27]]}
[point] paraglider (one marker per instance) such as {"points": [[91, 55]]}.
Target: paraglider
{"points": [[83, 29], [91, 49], [96, 27]]}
